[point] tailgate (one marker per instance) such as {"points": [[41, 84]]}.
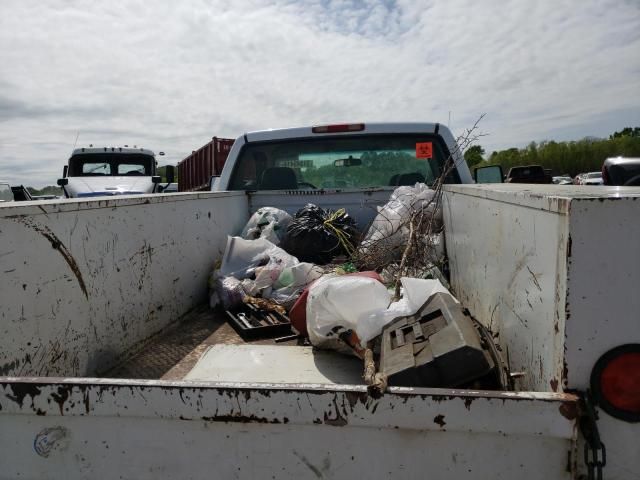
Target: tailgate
{"points": [[144, 429]]}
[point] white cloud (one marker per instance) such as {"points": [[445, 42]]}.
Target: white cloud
{"points": [[169, 76]]}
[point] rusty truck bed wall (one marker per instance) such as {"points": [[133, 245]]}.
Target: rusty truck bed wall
{"points": [[84, 281], [81, 428]]}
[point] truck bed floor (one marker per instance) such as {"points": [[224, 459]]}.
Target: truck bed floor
{"points": [[172, 354]]}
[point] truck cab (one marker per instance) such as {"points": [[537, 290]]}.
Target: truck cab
{"points": [[341, 157], [108, 171]]}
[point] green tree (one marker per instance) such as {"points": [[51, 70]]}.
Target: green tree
{"points": [[586, 155], [626, 132], [473, 155]]}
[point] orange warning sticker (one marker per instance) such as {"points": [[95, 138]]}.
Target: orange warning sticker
{"points": [[424, 150]]}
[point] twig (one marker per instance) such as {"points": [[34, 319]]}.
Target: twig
{"points": [[418, 231]]}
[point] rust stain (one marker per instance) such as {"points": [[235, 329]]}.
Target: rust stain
{"points": [[554, 384], [467, 403], [337, 421], [21, 390], [86, 402], [569, 410], [242, 419], [9, 367], [61, 396]]}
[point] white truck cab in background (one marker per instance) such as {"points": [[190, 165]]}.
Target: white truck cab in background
{"points": [[341, 157], [108, 171]]}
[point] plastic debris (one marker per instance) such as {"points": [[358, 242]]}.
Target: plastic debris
{"points": [[341, 304], [415, 292], [317, 235], [229, 291], [298, 312], [269, 223], [362, 305], [259, 268], [389, 232]]}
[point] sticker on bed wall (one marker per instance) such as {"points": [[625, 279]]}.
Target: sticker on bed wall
{"points": [[424, 150]]}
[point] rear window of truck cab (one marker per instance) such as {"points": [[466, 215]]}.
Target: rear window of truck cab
{"points": [[358, 161], [103, 164]]}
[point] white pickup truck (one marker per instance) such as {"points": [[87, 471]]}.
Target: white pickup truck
{"points": [[104, 315], [108, 171]]}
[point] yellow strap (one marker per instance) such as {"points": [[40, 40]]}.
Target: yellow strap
{"points": [[342, 236]]}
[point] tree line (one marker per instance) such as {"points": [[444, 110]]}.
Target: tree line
{"points": [[572, 158]]}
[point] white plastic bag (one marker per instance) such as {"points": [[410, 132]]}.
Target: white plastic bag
{"points": [[339, 303], [389, 230], [361, 304], [292, 281], [415, 292], [274, 273], [269, 223], [243, 257]]}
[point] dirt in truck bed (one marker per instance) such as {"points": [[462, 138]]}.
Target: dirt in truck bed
{"points": [[173, 353]]}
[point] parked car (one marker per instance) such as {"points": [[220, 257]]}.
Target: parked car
{"points": [[621, 171], [562, 180], [528, 174], [592, 178]]}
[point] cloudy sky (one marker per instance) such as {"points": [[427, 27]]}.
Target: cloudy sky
{"points": [[170, 75]]}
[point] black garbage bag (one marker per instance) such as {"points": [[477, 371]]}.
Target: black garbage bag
{"points": [[318, 236]]}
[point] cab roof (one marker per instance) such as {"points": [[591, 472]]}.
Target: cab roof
{"points": [[367, 128], [129, 150]]}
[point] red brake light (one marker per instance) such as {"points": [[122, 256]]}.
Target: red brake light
{"points": [[339, 128], [615, 382]]}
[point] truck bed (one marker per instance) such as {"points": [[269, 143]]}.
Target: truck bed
{"points": [[171, 354]]}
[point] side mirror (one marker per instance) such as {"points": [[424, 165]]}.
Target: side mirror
{"points": [[63, 181], [490, 174], [65, 170], [156, 179], [170, 172], [213, 183]]}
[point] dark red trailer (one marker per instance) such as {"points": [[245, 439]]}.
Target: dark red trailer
{"points": [[195, 171]]}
